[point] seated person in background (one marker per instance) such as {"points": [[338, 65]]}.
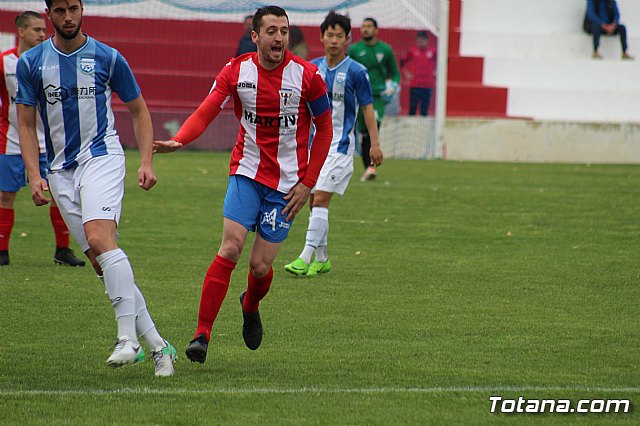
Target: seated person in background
{"points": [[605, 18]]}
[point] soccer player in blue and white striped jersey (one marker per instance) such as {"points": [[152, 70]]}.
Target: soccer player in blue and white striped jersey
{"points": [[69, 79], [31, 29], [349, 89]]}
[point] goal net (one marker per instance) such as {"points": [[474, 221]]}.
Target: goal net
{"points": [[176, 47]]}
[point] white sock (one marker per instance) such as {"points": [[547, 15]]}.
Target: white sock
{"points": [[118, 279], [322, 253], [145, 326], [306, 254], [325, 236], [318, 225]]}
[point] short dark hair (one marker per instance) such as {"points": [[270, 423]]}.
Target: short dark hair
{"points": [[422, 34], [22, 20], [373, 21], [50, 2], [333, 19], [267, 10]]}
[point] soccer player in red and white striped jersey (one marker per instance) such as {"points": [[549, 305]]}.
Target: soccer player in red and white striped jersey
{"points": [[277, 97]]}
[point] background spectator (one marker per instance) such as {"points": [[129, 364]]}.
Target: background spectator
{"points": [[420, 69], [297, 45], [246, 45], [604, 16]]}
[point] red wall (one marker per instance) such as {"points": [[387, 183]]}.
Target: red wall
{"points": [[467, 95], [175, 62]]}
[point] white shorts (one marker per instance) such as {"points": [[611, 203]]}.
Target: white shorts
{"points": [[335, 174], [93, 190]]}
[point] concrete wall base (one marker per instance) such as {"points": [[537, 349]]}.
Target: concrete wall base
{"points": [[541, 141]]}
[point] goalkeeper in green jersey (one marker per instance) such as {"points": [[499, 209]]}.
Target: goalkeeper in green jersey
{"points": [[384, 76]]}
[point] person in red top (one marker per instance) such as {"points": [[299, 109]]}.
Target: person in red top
{"points": [[276, 96], [420, 69]]}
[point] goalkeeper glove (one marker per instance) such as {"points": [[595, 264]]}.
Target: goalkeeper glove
{"points": [[390, 89]]}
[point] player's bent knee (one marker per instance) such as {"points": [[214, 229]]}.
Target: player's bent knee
{"points": [[101, 236], [230, 252], [259, 270], [100, 242], [98, 245]]}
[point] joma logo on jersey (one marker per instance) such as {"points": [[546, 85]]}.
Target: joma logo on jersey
{"points": [[53, 94], [282, 121], [87, 65], [246, 85]]}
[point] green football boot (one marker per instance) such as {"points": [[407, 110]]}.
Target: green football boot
{"points": [[317, 267], [297, 267]]}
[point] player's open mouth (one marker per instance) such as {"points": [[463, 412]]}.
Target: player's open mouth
{"points": [[276, 49]]}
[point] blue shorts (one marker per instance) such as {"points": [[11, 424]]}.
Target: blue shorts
{"points": [[256, 206], [12, 175]]}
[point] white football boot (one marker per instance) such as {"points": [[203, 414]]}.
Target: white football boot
{"points": [[125, 352]]}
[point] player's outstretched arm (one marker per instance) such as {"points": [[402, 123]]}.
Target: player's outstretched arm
{"points": [[372, 126], [164, 147], [31, 153], [193, 127], [143, 130]]}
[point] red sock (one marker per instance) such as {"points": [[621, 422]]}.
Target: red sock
{"points": [[6, 226], [256, 291], [214, 290], [59, 228]]}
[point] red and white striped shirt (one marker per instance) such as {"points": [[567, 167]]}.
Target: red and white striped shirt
{"points": [[9, 141], [275, 109]]}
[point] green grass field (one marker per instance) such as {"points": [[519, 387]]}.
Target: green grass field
{"points": [[452, 282]]}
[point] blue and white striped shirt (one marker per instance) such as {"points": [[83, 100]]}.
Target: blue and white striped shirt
{"points": [[348, 88], [73, 95]]}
